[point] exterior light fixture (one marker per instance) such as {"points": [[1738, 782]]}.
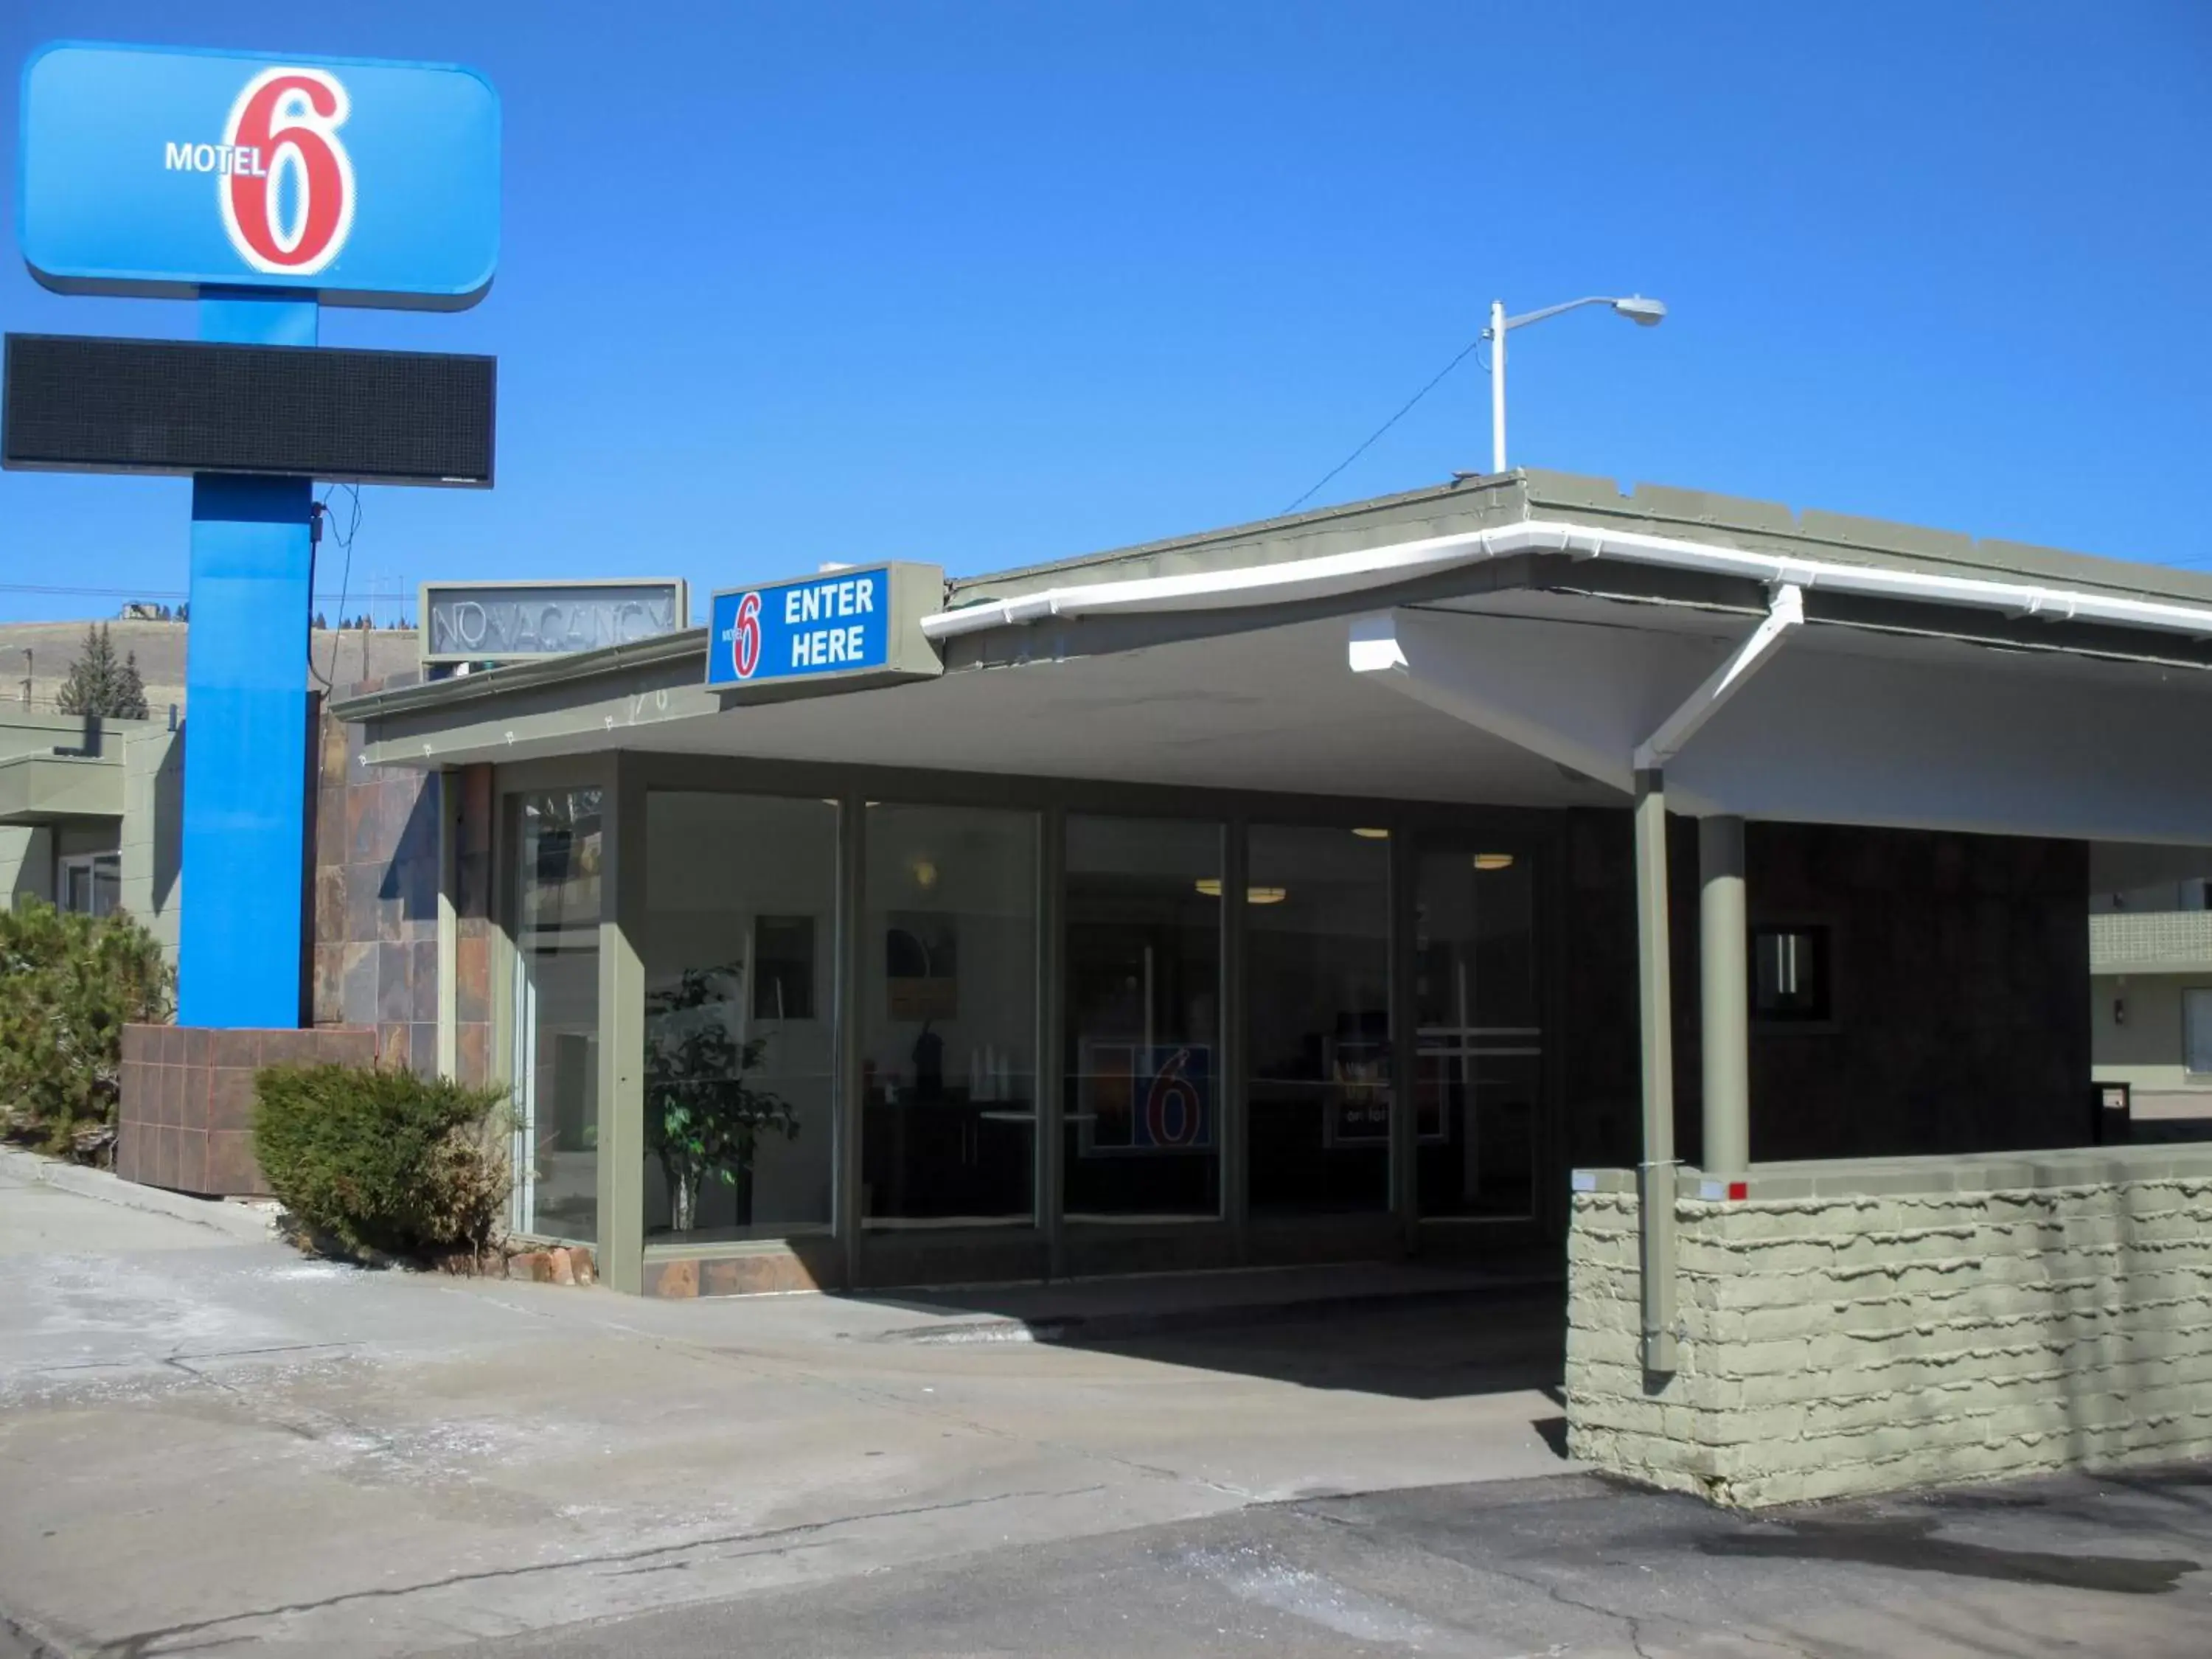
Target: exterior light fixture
{"points": [[1372, 835], [925, 874], [1493, 861], [1644, 314], [1210, 886]]}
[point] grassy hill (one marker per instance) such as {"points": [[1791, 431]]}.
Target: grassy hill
{"points": [[160, 648]]}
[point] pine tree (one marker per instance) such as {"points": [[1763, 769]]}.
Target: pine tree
{"points": [[130, 694], [98, 684]]}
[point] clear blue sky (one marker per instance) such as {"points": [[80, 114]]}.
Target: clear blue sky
{"points": [[988, 284]]}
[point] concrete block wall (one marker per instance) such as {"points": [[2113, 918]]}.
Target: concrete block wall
{"points": [[1854, 1327]]}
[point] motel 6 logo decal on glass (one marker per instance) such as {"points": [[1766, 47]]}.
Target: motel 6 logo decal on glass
{"points": [[167, 173]]}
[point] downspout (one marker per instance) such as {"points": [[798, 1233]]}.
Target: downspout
{"points": [[1654, 1172]]}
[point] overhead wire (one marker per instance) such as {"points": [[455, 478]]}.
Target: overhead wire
{"points": [[344, 541], [1405, 408]]}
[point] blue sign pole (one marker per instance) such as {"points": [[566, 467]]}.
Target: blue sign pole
{"points": [[246, 719], [264, 188]]}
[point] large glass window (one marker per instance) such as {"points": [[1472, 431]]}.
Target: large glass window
{"points": [[1319, 998], [1480, 1068], [555, 903], [1143, 1021], [741, 903], [948, 1016]]}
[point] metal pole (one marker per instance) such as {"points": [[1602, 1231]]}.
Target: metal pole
{"points": [[1656, 1174], [1497, 385], [1725, 1000]]}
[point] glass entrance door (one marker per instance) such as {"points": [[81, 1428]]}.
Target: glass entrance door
{"points": [[1480, 1059]]}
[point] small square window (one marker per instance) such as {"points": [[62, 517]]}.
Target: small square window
{"points": [[1791, 975], [783, 967]]}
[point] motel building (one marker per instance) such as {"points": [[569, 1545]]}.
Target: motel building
{"points": [[1688, 886]]}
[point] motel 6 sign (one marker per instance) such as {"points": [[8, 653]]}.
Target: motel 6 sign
{"points": [[165, 172], [853, 625]]}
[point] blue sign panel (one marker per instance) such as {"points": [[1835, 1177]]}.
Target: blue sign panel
{"points": [[164, 172], [825, 626]]}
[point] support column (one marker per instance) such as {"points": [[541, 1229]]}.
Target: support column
{"points": [[1051, 1148], [245, 696], [1724, 995], [1235, 1107], [1654, 1004], [852, 865], [622, 1030], [1405, 1040], [448, 782]]}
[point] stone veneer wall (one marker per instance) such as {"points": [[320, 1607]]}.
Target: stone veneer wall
{"points": [[375, 920], [1858, 1327]]}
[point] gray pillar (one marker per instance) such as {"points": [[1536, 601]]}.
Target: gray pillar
{"points": [[1235, 1109], [852, 854], [1656, 1173], [1724, 995], [448, 783], [1051, 1149], [622, 1029], [1405, 1041]]}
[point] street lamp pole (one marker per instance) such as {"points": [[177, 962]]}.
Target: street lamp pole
{"points": [[1497, 385], [1645, 313]]}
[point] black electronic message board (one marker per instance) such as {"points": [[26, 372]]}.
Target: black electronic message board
{"points": [[72, 403]]}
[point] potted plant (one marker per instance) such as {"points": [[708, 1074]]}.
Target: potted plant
{"points": [[704, 1120]]}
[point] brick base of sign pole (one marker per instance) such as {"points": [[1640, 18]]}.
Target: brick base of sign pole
{"points": [[185, 1121]]}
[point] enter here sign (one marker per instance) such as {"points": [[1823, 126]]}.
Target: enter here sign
{"points": [[836, 623]]}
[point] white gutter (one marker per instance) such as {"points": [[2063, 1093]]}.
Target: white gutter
{"points": [[1377, 567]]}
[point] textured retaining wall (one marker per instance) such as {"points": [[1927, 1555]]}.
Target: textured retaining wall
{"points": [[1857, 1327]]}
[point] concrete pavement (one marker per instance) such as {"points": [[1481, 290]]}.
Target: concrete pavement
{"points": [[207, 1442]]}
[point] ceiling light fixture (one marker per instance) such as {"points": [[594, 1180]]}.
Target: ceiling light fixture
{"points": [[1210, 886]]}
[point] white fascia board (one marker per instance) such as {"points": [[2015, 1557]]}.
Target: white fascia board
{"points": [[1377, 567]]}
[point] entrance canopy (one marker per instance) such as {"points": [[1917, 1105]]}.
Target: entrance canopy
{"points": [[1509, 640]]}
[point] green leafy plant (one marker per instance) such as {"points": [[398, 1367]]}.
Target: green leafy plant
{"points": [[68, 984], [704, 1120], [383, 1160]]}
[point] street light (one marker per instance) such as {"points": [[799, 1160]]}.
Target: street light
{"points": [[1644, 314]]}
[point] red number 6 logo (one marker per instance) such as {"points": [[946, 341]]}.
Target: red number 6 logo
{"points": [[289, 118], [745, 642]]}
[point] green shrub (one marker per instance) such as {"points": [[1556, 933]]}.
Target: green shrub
{"points": [[68, 984], [383, 1160]]}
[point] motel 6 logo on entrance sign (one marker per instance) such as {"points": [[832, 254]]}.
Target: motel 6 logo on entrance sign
{"points": [[168, 172]]}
